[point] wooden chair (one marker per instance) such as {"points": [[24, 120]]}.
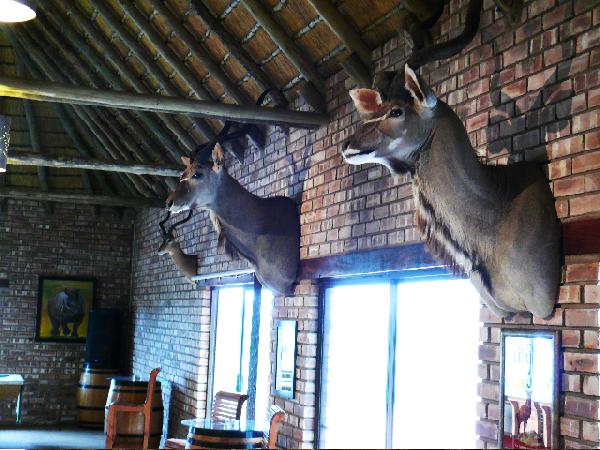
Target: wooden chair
{"points": [[227, 405], [275, 417], [145, 408]]}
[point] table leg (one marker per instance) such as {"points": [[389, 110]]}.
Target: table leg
{"points": [[19, 405]]}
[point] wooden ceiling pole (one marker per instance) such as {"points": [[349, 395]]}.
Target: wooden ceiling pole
{"points": [[62, 115], [104, 132], [127, 118], [166, 83], [42, 60], [85, 199], [36, 159], [340, 26], [201, 54], [34, 135], [66, 93], [289, 49], [239, 52], [114, 58], [358, 68]]}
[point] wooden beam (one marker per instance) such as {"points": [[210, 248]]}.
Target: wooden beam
{"points": [[238, 51], [85, 199], [287, 45], [62, 115], [150, 121], [200, 54], [65, 93], [363, 262], [121, 119], [168, 84], [357, 71], [340, 26], [34, 136], [36, 159], [36, 50]]}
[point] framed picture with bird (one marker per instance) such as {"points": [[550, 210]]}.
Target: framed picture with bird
{"points": [[63, 308], [529, 383]]}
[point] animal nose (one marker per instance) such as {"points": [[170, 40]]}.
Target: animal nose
{"points": [[345, 144]]}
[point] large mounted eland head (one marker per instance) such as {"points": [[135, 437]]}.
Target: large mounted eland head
{"points": [[497, 224]]}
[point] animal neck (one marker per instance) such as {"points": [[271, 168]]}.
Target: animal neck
{"points": [[186, 263], [240, 214], [454, 194]]}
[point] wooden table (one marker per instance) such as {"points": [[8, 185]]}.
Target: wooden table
{"points": [[208, 433], [11, 386]]}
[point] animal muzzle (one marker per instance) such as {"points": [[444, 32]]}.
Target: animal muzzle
{"points": [[355, 155]]}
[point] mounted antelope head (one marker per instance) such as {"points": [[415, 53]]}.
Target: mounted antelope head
{"points": [[187, 264], [266, 232], [497, 224]]}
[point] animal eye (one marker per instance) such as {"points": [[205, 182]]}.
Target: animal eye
{"points": [[197, 175], [397, 112]]}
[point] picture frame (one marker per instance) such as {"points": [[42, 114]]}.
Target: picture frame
{"points": [[285, 358], [529, 388], [63, 308]]}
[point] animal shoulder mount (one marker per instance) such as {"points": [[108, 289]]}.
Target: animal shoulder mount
{"points": [[497, 224], [187, 264], [264, 231]]}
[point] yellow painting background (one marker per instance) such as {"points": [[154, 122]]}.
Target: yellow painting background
{"points": [[52, 287]]}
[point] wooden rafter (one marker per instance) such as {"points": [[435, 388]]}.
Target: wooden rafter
{"points": [[127, 119], [36, 159], [34, 136], [288, 46], [359, 68], [152, 124], [238, 51], [86, 199], [64, 118], [166, 83], [200, 54], [340, 26], [65, 93], [36, 51]]}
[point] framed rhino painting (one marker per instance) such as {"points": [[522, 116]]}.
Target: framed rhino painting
{"points": [[64, 304]]}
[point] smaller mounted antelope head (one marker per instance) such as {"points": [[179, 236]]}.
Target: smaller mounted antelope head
{"points": [[497, 224], [187, 264], [264, 231]]}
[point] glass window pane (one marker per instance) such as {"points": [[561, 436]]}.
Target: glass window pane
{"points": [[436, 365], [228, 350], [355, 360]]}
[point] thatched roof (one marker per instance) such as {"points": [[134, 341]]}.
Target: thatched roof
{"points": [[228, 51]]}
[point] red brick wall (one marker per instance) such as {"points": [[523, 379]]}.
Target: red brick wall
{"points": [[525, 93], [70, 241]]}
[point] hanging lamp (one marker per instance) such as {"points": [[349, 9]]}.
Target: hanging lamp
{"points": [[17, 10]]}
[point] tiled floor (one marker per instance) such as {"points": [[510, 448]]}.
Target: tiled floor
{"points": [[22, 437]]}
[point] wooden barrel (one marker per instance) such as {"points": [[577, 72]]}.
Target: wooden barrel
{"points": [[91, 395], [130, 426], [228, 434]]}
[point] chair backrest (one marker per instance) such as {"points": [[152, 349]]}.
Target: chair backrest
{"points": [[227, 405], [274, 418], [151, 386]]}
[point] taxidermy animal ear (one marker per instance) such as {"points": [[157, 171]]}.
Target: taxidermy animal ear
{"points": [[421, 93], [366, 101], [217, 156], [187, 161]]}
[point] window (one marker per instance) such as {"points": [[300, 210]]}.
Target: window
{"points": [[397, 355], [235, 314]]}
